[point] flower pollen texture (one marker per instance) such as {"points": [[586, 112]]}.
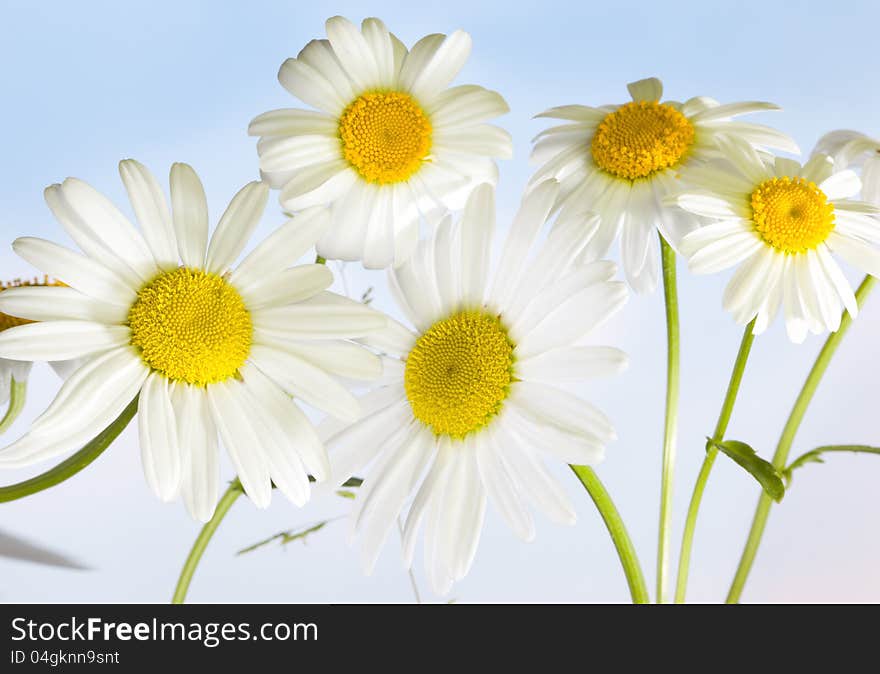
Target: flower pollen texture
{"points": [[191, 326], [791, 214], [641, 138], [459, 372], [385, 136]]}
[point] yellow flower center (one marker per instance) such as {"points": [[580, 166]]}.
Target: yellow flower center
{"points": [[385, 136], [641, 138], [7, 321], [191, 326], [459, 373], [791, 214]]}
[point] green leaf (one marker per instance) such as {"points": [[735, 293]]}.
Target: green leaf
{"points": [[763, 471], [344, 493], [815, 456]]}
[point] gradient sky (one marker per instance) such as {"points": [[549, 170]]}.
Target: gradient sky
{"points": [[86, 84]]}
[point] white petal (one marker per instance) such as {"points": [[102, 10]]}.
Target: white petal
{"points": [[532, 215], [650, 89], [732, 110], [383, 494], [532, 479], [477, 228], [286, 469], [394, 339], [288, 287], [307, 382], [291, 421], [77, 271], [379, 230], [838, 281], [197, 435], [466, 510], [316, 185], [481, 139], [284, 246], [435, 74], [353, 448], [236, 226], [60, 340], [548, 405], [101, 230], [324, 316], [572, 364], [48, 303], [502, 492], [383, 48], [306, 83], [554, 442], [841, 185], [860, 255], [574, 318], [465, 105], [87, 403], [243, 441], [434, 480], [160, 449], [710, 206], [152, 212], [724, 253], [293, 122], [189, 208], [354, 53]]}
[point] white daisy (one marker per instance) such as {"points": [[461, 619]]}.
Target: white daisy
{"points": [[621, 161], [851, 148], [389, 140], [161, 315], [780, 222], [469, 404], [14, 373]]}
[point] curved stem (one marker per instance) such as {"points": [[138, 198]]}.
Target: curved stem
{"points": [[70, 467], [201, 543], [690, 525], [17, 396], [619, 536], [670, 430], [787, 438]]}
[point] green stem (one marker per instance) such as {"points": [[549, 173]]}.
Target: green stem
{"points": [[70, 467], [625, 549], [17, 396], [670, 430], [201, 543], [785, 441], [690, 525]]}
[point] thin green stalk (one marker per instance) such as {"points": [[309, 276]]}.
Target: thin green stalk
{"points": [[785, 441], [670, 430], [70, 467], [17, 396], [690, 525], [619, 536], [201, 543]]}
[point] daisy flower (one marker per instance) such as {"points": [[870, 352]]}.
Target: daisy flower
{"points": [[14, 372], [390, 140], [470, 402], [781, 222], [851, 148], [621, 161], [208, 350]]}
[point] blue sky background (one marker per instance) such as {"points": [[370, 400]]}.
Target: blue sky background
{"points": [[86, 84]]}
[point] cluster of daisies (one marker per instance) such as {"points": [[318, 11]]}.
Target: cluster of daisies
{"points": [[393, 167]]}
